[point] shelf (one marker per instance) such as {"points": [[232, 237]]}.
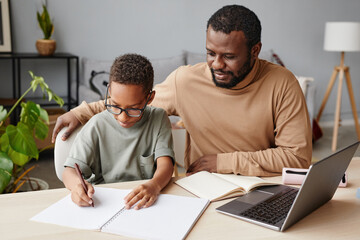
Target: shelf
{"points": [[45, 101], [36, 55], [16, 75]]}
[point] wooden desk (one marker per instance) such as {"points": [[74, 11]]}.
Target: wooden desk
{"points": [[337, 219]]}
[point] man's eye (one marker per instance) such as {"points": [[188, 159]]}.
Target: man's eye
{"points": [[229, 57], [211, 54]]}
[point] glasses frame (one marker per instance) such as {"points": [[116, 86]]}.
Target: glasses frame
{"points": [[126, 109]]}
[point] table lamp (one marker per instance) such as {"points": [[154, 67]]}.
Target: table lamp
{"points": [[341, 37]]}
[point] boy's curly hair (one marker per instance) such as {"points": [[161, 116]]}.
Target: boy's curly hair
{"points": [[133, 69]]}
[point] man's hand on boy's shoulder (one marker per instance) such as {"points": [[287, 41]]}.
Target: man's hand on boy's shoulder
{"points": [[205, 163], [66, 120]]}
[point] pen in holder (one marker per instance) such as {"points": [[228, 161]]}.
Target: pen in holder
{"points": [[296, 176]]}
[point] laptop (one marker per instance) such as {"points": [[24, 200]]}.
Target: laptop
{"points": [[279, 207]]}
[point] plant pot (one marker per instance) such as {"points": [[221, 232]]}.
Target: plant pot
{"points": [[46, 47], [34, 184]]}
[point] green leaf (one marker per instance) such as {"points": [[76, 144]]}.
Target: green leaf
{"points": [[31, 74], [21, 140], [5, 162], [56, 98], [41, 130], [39, 81], [6, 167], [4, 143], [18, 158], [43, 114], [3, 113], [5, 178], [45, 23], [29, 114]]}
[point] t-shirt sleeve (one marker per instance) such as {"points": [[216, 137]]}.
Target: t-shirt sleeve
{"points": [[84, 151], [85, 110], [164, 142]]}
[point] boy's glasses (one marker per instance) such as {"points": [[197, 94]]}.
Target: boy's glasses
{"points": [[131, 112]]}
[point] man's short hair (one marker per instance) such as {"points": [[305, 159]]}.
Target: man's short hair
{"points": [[133, 69], [237, 18]]}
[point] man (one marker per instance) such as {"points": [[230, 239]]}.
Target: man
{"points": [[243, 115]]}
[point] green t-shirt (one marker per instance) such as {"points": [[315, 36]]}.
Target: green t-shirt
{"points": [[107, 152]]}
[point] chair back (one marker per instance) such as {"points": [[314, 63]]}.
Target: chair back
{"points": [[62, 149]]}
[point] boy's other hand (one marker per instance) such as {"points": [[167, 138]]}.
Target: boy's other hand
{"points": [[144, 195], [79, 196], [67, 119]]}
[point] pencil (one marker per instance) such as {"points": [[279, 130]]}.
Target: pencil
{"points": [[78, 171]]}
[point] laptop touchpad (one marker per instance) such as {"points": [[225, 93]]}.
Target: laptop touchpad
{"points": [[254, 197]]}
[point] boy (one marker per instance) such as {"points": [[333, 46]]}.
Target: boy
{"points": [[128, 141]]}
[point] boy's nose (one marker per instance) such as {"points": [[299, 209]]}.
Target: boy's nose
{"points": [[122, 117]]}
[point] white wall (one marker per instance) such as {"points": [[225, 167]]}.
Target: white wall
{"points": [[104, 29]]}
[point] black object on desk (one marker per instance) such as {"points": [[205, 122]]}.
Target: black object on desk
{"points": [[17, 58]]}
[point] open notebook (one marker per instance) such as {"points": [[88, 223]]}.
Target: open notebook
{"points": [[215, 186], [171, 217]]}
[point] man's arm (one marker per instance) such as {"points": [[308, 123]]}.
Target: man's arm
{"points": [[268, 162], [293, 146], [165, 96], [76, 117]]}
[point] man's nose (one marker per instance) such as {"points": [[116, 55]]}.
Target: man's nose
{"points": [[218, 63]]}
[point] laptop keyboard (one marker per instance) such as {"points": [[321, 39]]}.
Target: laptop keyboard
{"points": [[273, 209]]}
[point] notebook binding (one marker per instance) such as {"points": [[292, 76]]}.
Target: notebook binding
{"points": [[113, 217]]}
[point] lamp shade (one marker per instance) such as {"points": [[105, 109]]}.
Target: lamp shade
{"points": [[342, 36]]}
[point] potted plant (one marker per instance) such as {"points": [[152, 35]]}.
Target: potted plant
{"points": [[17, 144], [45, 46]]}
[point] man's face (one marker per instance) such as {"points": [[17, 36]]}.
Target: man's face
{"points": [[228, 57]]}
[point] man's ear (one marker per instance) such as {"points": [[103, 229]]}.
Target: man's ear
{"points": [[255, 50], [151, 97]]}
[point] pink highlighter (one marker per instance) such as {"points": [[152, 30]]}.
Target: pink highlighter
{"points": [[296, 176]]}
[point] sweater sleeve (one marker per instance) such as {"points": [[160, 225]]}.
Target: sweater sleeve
{"points": [[165, 94], [85, 110], [293, 143]]}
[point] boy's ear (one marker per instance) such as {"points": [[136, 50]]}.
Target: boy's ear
{"points": [[151, 97]]}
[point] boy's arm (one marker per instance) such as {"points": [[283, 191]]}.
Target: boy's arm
{"points": [[147, 193], [78, 195]]}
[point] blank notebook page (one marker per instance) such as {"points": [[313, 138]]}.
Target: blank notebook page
{"points": [[65, 212]]}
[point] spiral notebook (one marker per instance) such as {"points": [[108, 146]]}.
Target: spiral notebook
{"points": [[171, 217]]}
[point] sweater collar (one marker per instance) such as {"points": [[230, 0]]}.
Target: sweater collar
{"points": [[249, 78]]}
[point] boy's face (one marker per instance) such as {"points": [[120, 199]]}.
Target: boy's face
{"points": [[127, 96]]}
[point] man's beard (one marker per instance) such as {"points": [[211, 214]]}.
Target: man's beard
{"points": [[241, 74]]}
